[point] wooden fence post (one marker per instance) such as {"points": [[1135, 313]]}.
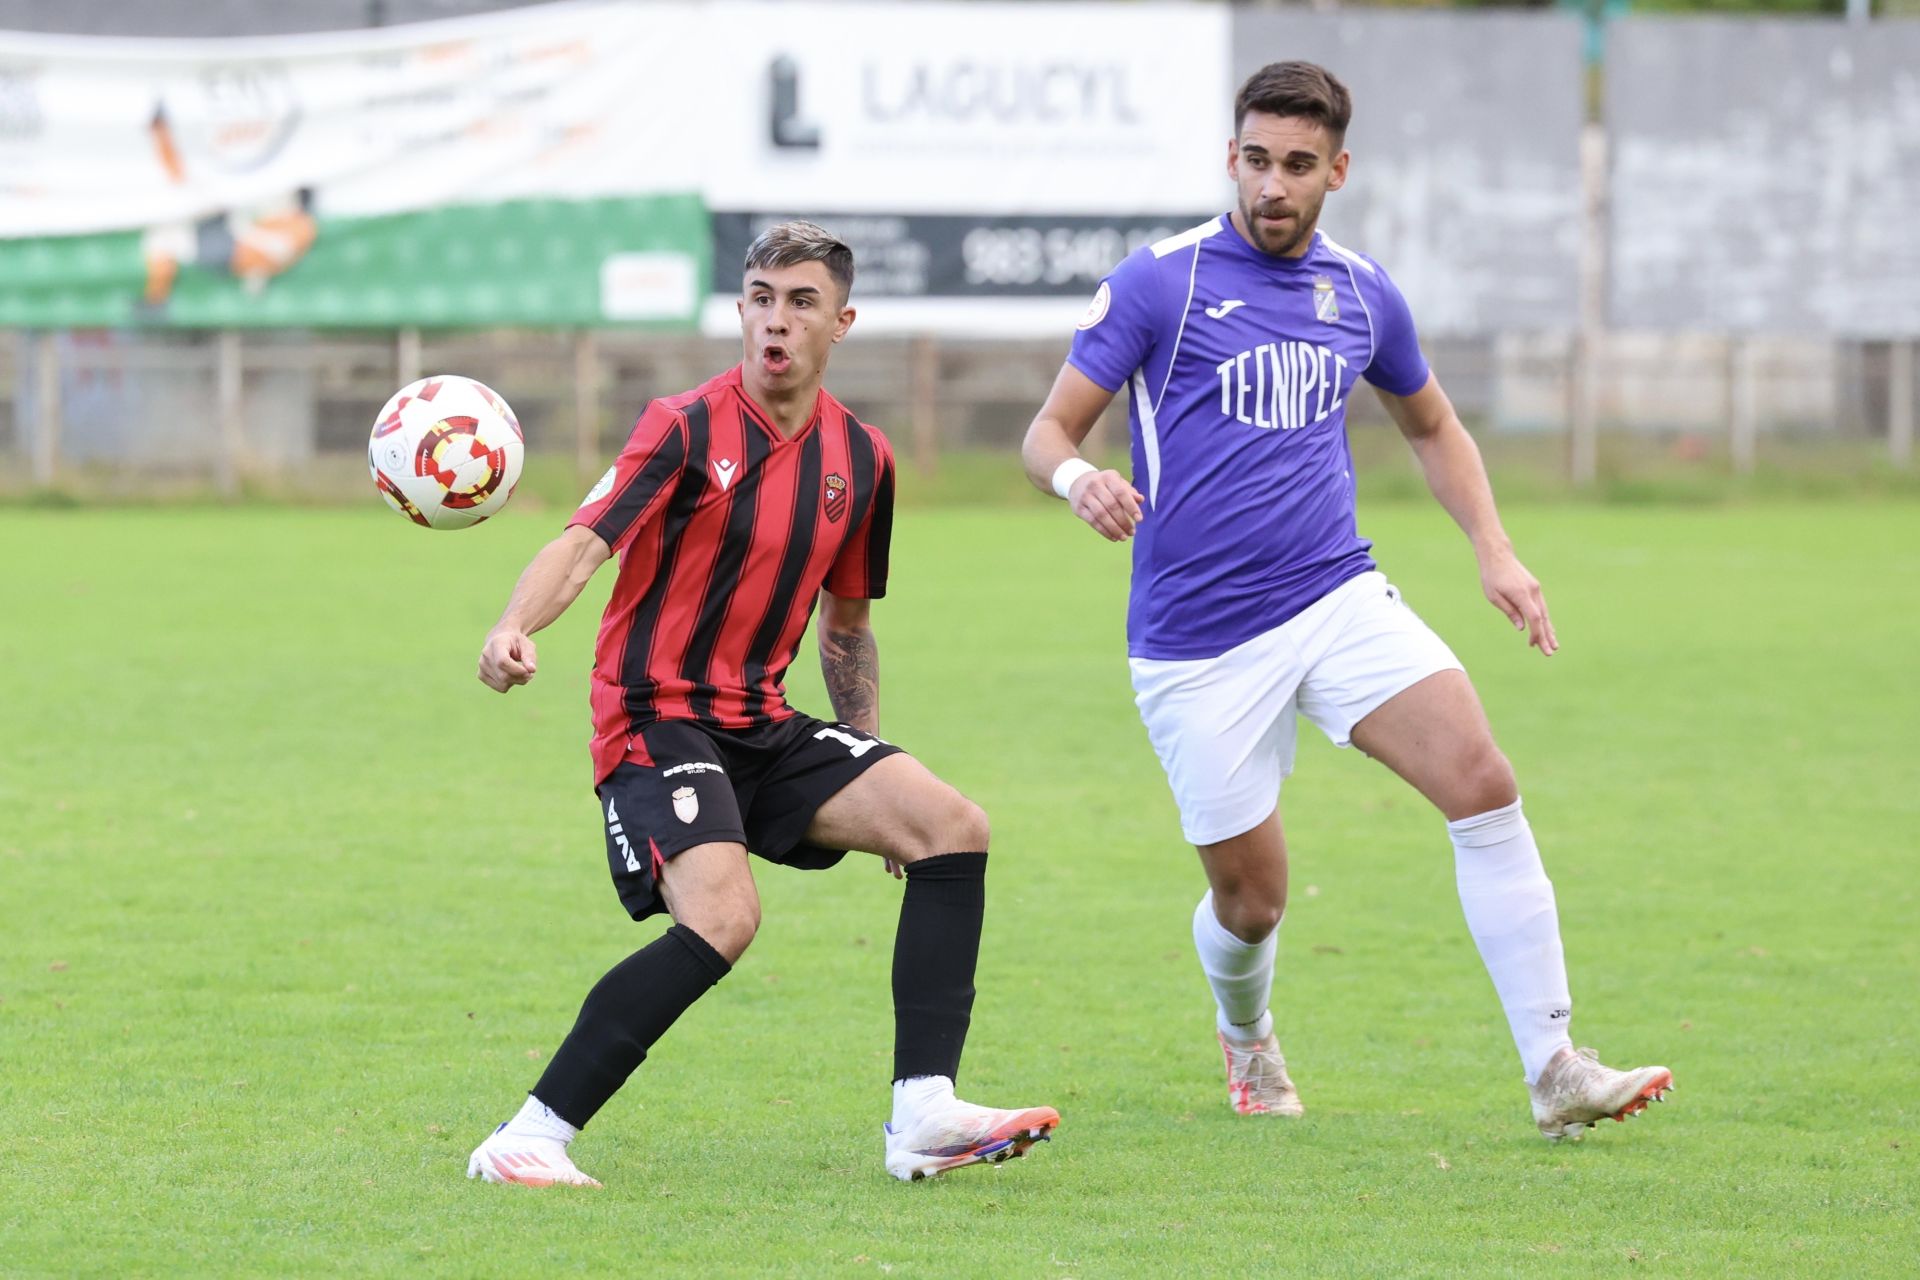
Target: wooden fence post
{"points": [[1900, 394], [1583, 411], [230, 448], [1742, 405], [586, 405], [406, 356], [924, 373], [46, 400]]}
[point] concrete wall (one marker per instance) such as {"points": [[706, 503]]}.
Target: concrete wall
{"points": [[1465, 182], [1766, 176]]}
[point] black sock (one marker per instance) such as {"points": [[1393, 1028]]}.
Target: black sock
{"points": [[627, 1010], [934, 953]]}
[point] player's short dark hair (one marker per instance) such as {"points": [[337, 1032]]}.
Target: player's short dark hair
{"points": [[788, 244], [1303, 89]]}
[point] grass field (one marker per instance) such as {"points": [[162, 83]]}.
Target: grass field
{"points": [[292, 909]]}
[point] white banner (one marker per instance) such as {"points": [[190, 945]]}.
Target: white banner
{"points": [[977, 107], [973, 150], [572, 99]]}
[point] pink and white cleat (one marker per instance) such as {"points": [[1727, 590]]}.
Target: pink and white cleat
{"points": [[955, 1133], [528, 1160], [1575, 1091]]}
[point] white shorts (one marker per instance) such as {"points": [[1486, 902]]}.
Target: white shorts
{"points": [[1224, 727]]}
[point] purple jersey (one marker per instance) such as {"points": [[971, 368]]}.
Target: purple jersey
{"points": [[1238, 366]]}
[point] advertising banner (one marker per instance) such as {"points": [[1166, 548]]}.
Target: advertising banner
{"points": [[553, 164], [988, 162], [488, 170], [975, 107]]}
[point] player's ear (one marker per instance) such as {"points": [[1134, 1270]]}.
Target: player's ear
{"points": [[1339, 178], [1233, 158], [843, 323]]}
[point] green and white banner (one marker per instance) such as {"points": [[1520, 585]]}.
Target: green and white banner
{"points": [[494, 170], [636, 260]]}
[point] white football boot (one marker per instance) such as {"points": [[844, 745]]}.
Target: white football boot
{"points": [[1257, 1080], [952, 1133], [528, 1160], [1575, 1091]]}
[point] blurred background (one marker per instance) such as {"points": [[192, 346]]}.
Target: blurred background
{"points": [[1661, 245]]}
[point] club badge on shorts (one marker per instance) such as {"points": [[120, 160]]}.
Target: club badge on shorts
{"points": [[686, 804], [836, 497]]}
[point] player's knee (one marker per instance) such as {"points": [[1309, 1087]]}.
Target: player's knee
{"points": [[953, 824], [728, 927], [734, 931], [1485, 783], [969, 830], [1250, 912]]}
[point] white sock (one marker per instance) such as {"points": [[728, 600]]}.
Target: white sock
{"points": [[1240, 973], [537, 1119], [914, 1095], [1510, 911]]}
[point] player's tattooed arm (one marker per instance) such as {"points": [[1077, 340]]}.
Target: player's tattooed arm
{"points": [[850, 662]]}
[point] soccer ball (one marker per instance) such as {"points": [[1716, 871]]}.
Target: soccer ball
{"points": [[446, 452]]}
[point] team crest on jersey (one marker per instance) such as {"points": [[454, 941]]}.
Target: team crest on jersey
{"points": [[836, 497], [686, 804], [1325, 305]]}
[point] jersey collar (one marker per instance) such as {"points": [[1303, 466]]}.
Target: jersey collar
{"points": [[753, 410]]}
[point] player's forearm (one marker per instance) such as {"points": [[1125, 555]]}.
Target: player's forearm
{"points": [[552, 580], [1458, 480], [1046, 446], [850, 662]]}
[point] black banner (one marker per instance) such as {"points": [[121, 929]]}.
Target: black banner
{"points": [[912, 255]]}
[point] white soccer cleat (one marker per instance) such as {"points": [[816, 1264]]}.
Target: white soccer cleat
{"points": [[528, 1160], [954, 1133], [1257, 1080], [1575, 1091]]}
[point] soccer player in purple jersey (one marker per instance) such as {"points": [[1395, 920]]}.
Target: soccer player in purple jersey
{"points": [[1254, 598]]}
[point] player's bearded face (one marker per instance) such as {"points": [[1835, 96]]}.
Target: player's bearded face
{"points": [[1283, 166], [790, 317]]}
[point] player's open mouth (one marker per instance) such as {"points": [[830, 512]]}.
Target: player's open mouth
{"points": [[774, 358]]}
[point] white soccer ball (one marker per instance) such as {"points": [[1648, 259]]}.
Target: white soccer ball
{"points": [[446, 452]]}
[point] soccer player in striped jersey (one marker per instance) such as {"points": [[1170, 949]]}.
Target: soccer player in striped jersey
{"points": [[733, 508], [1255, 598]]}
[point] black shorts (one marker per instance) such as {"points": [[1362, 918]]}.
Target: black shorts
{"points": [[757, 787]]}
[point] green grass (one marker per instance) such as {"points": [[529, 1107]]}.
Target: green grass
{"points": [[294, 909]]}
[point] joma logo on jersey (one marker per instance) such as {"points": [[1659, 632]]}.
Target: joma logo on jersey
{"points": [[1282, 386], [836, 488]]}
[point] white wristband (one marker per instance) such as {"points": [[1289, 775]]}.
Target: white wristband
{"points": [[1067, 472]]}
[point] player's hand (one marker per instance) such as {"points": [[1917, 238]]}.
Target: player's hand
{"points": [[507, 658], [1516, 593], [1106, 501], [893, 868]]}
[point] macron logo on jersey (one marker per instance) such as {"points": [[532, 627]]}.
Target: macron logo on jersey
{"points": [[723, 469], [1282, 386]]}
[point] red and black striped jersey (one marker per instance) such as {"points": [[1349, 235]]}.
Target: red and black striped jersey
{"points": [[726, 531]]}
